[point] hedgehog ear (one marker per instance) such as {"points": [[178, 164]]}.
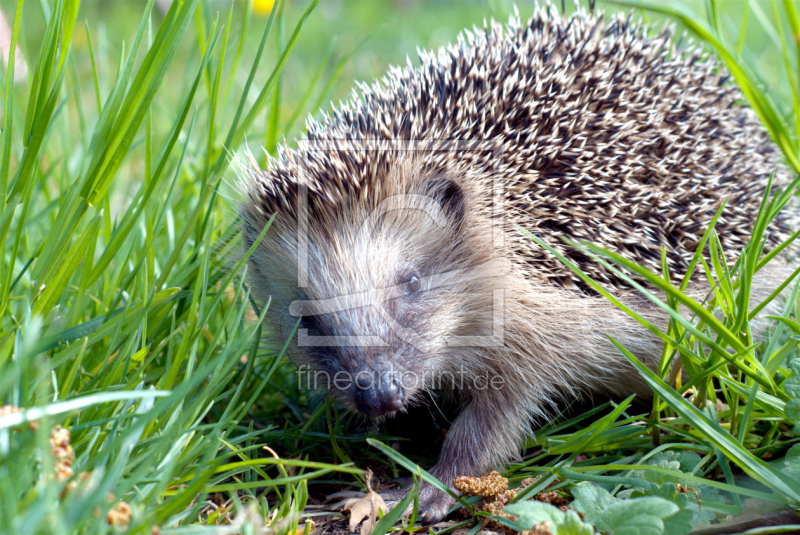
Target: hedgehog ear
{"points": [[450, 196]]}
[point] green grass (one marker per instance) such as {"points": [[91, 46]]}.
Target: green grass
{"points": [[124, 319]]}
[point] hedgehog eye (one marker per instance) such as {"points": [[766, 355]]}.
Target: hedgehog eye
{"points": [[413, 284]]}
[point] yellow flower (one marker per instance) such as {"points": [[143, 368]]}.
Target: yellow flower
{"points": [[263, 6]]}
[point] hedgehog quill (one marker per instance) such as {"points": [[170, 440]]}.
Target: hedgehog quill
{"points": [[396, 240]]}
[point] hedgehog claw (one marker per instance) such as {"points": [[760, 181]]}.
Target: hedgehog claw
{"points": [[433, 503]]}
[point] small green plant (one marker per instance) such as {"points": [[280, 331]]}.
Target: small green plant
{"points": [[531, 514], [609, 514]]}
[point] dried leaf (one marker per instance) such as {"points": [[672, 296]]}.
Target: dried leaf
{"points": [[359, 510], [366, 509]]}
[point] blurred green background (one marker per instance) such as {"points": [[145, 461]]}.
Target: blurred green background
{"points": [[360, 37]]}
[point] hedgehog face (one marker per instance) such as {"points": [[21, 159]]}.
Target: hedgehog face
{"points": [[387, 288], [376, 314]]}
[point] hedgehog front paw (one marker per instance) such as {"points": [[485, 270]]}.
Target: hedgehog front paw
{"points": [[433, 504]]}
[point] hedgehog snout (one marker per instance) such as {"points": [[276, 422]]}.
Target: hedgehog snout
{"points": [[378, 392]]}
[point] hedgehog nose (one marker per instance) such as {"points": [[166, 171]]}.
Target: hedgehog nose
{"points": [[378, 392]]}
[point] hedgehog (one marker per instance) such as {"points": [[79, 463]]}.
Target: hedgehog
{"points": [[395, 257]]}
